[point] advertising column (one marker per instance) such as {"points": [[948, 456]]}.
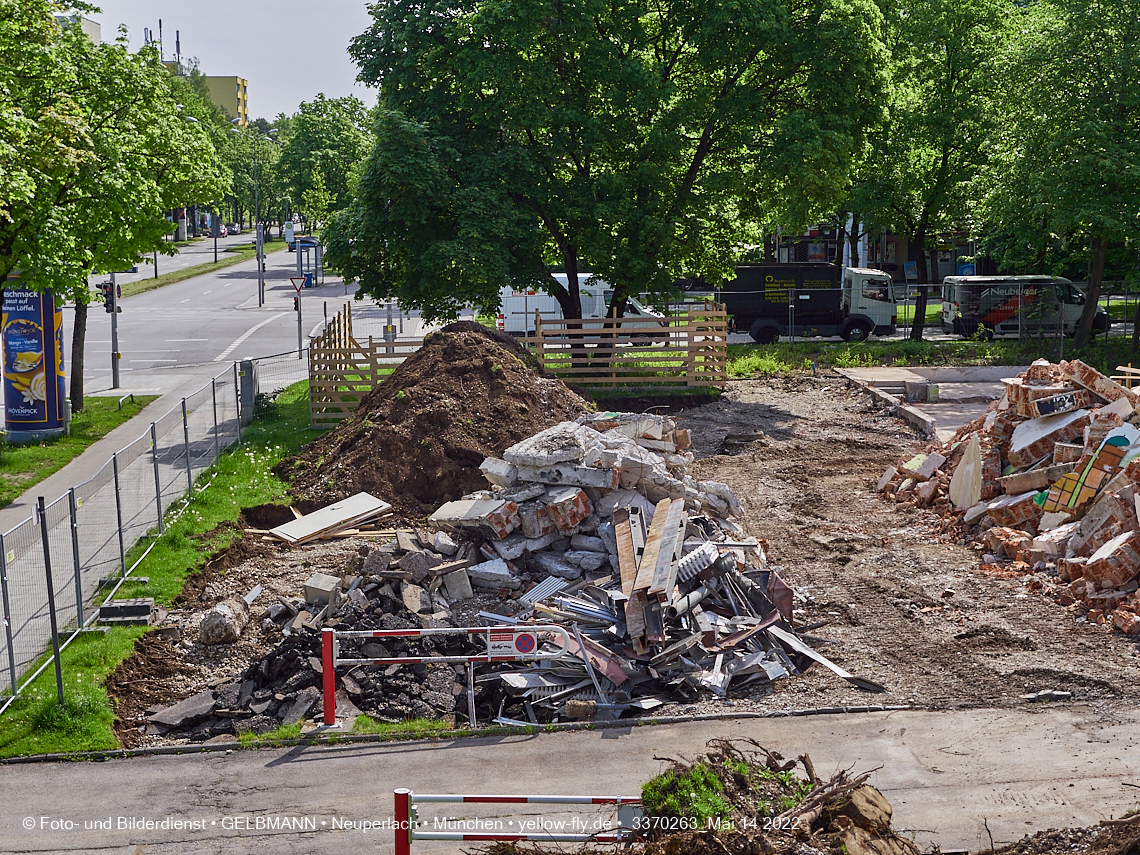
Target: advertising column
{"points": [[34, 383]]}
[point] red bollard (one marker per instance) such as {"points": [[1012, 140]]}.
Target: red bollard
{"points": [[328, 677], [402, 799]]}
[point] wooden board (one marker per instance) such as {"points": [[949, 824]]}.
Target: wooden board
{"points": [[627, 559], [648, 563], [343, 514], [665, 573]]}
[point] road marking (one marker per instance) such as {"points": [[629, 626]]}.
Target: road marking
{"points": [[187, 300], [245, 335], [172, 340], [206, 292], [151, 361]]}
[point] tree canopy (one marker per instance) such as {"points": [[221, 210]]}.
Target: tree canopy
{"points": [[635, 140]]}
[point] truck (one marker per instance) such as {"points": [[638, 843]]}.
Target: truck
{"points": [[814, 299], [517, 307], [1014, 306]]}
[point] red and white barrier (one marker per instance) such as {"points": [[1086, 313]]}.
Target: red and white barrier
{"points": [[406, 822], [504, 644]]}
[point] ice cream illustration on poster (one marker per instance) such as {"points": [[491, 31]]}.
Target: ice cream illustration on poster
{"points": [[33, 363]]}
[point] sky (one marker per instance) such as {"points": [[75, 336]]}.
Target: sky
{"points": [[288, 53]]}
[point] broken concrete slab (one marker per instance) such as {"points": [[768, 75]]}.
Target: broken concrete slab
{"points": [[1097, 383], [562, 443], [578, 476], [557, 566], [929, 467], [457, 585], [499, 472], [1116, 562], [492, 516], [1038, 479], [186, 712], [300, 708], [493, 575], [966, 483], [443, 543], [1034, 440], [416, 599], [1019, 512]]}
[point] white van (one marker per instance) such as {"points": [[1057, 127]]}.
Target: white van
{"points": [[1014, 306], [517, 307]]}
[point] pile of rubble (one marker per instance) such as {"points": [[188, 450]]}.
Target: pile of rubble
{"points": [[1047, 482], [594, 525]]}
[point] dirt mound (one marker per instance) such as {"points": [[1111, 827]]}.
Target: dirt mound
{"points": [[417, 440], [156, 673]]}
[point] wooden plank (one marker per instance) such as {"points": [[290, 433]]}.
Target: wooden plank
{"points": [[648, 563], [343, 514], [635, 616], [659, 587], [627, 560]]}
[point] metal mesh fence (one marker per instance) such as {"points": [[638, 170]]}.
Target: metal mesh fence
{"points": [[90, 529]]}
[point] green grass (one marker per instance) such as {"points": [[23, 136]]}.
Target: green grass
{"points": [[37, 724], [23, 466], [270, 739], [226, 258], [696, 793], [753, 360], [416, 728], [242, 478], [933, 313]]}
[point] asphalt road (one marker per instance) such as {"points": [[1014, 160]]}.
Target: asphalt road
{"points": [[947, 775]]}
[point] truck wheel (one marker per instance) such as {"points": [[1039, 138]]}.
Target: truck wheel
{"points": [[858, 331], [765, 335]]}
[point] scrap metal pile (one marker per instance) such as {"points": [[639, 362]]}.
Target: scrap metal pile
{"points": [[1048, 482]]}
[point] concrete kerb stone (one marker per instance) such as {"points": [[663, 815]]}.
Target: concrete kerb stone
{"points": [[335, 739], [924, 424]]}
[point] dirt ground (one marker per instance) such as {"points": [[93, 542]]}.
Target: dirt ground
{"points": [[898, 606]]}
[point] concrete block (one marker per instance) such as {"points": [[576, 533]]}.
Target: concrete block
{"points": [[406, 541], [223, 624], [418, 565], [911, 466], [723, 492], [319, 588], [587, 543], [625, 499], [585, 559], [499, 472], [925, 492], [975, 512], [493, 575], [306, 699], [565, 442], [929, 467], [444, 544], [555, 565], [534, 520], [578, 476], [416, 599], [457, 585], [495, 517], [916, 391], [523, 493], [887, 478], [537, 544], [1038, 479], [510, 547], [567, 507]]}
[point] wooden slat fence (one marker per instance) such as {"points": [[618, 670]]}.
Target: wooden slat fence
{"points": [[342, 370], [691, 351]]}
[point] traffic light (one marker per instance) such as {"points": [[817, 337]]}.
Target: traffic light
{"points": [[108, 292], [296, 304]]}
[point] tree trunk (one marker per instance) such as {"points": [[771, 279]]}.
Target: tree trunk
{"points": [[918, 248], [78, 337], [1092, 293]]}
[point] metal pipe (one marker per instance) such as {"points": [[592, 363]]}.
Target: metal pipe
{"points": [[119, 514], [681, 606], [157, 481], [7, 613], [51, 599], [186, 444], [74, 508]]}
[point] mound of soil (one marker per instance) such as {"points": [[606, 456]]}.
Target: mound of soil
{"points": [[156, 674], [417, 440]]}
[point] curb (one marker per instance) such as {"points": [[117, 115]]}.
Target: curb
{"points": [[917, 419], [353, 739]]}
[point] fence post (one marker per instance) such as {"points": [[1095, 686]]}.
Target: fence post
{"points": [[7, 613], [237, 401], [328, 673], [157, 480], [51, 599], [119, 514], [74, 506], [402, 821], [214, 399], [186, 443]]}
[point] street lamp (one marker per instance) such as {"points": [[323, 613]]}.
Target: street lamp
{"points": [[259, 239]]}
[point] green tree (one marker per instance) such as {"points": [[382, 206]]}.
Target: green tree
{"points": [[943, 111], [132, 157], [328, 136], [316, 201], [1069, 166], [636, 140]]}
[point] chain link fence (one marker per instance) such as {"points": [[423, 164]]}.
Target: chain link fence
{"points": [[53, 564]]}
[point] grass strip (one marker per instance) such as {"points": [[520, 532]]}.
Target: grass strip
{"points": [[195, 527], [25, 465], [234, 255]]}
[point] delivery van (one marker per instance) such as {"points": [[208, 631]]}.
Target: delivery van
{"points": [[517, 307], [1014, 306]]}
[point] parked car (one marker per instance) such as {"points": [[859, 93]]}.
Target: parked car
{"points": [[222, 231], [233, 229]]}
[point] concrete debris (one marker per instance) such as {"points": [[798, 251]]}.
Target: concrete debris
{"points": [[662, 595], [1048, 484], [224, 623]]}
